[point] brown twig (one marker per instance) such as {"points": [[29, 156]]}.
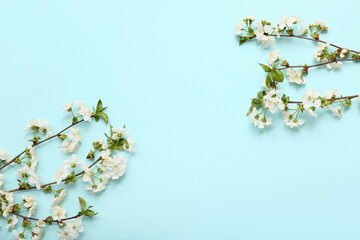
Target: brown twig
{"points": [[48, 221], [310, 39], [330, 99], [321, 64]]}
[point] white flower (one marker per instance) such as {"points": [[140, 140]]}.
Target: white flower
{"points": [[336, 112], [61, 173], [40, 224], [28, 201], [94, 188], [266, 41], [264, 122], [12, 222], [286, 21], [295, 76], [118, 133], [6, 209], [69, 147], [302, 29], [343, 52], [58, 212], [100, 143], [261, 29], [272, 101], [19, 236], [259, 121], [38, 232], [32, 154], [273, 56], [253, 114], [117, 168], [291, 122], [88, 174], [24, 171], [32, 210], [333, 93], [74, 226], [263, 39], [335, 65], [311, 98], [39, 125], [319, 52], [131, 145], [85, 112], [57, 199], [9, 197], [238, 28], [74, 134], [66, 235], [35, 179], [68, 106], [73, 162], [4, 156], [106, 157]]}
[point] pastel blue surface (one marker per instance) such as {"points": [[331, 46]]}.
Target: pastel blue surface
{"points": [[173, 72]]}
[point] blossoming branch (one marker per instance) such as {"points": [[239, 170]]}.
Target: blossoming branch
{"points": [[106, 165], [326, 55]]}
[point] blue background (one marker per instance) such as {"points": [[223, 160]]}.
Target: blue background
{"points": [[173, 72]]}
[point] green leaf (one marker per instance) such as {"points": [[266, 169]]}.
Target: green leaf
{"points": [[89, 213], [82, 203], [261, 94], [251, 32], [265, 67], [104, 116], [243, 39], [268, 81], [277, 75], [99, 105]]}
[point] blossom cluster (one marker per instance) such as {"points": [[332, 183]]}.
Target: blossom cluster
{"points": [[107, 164], [326, 54], [311, 101]]}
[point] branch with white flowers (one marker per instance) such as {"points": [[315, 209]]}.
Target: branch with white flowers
{"points": [[56, 182], [106, 165], [269, 100], [45, 129]]}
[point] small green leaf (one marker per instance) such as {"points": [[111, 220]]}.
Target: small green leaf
{"points": [[243, 39], [99, 105], [82, 203], [277, 75], [268, 81], [104, 116], [89, 213], [261, 94], [265, 67]]}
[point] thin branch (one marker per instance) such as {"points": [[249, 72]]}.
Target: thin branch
{"points": [[55, 182], [38, 143], [330, 99], [321, 64], [310, 39], [48, 221]]}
